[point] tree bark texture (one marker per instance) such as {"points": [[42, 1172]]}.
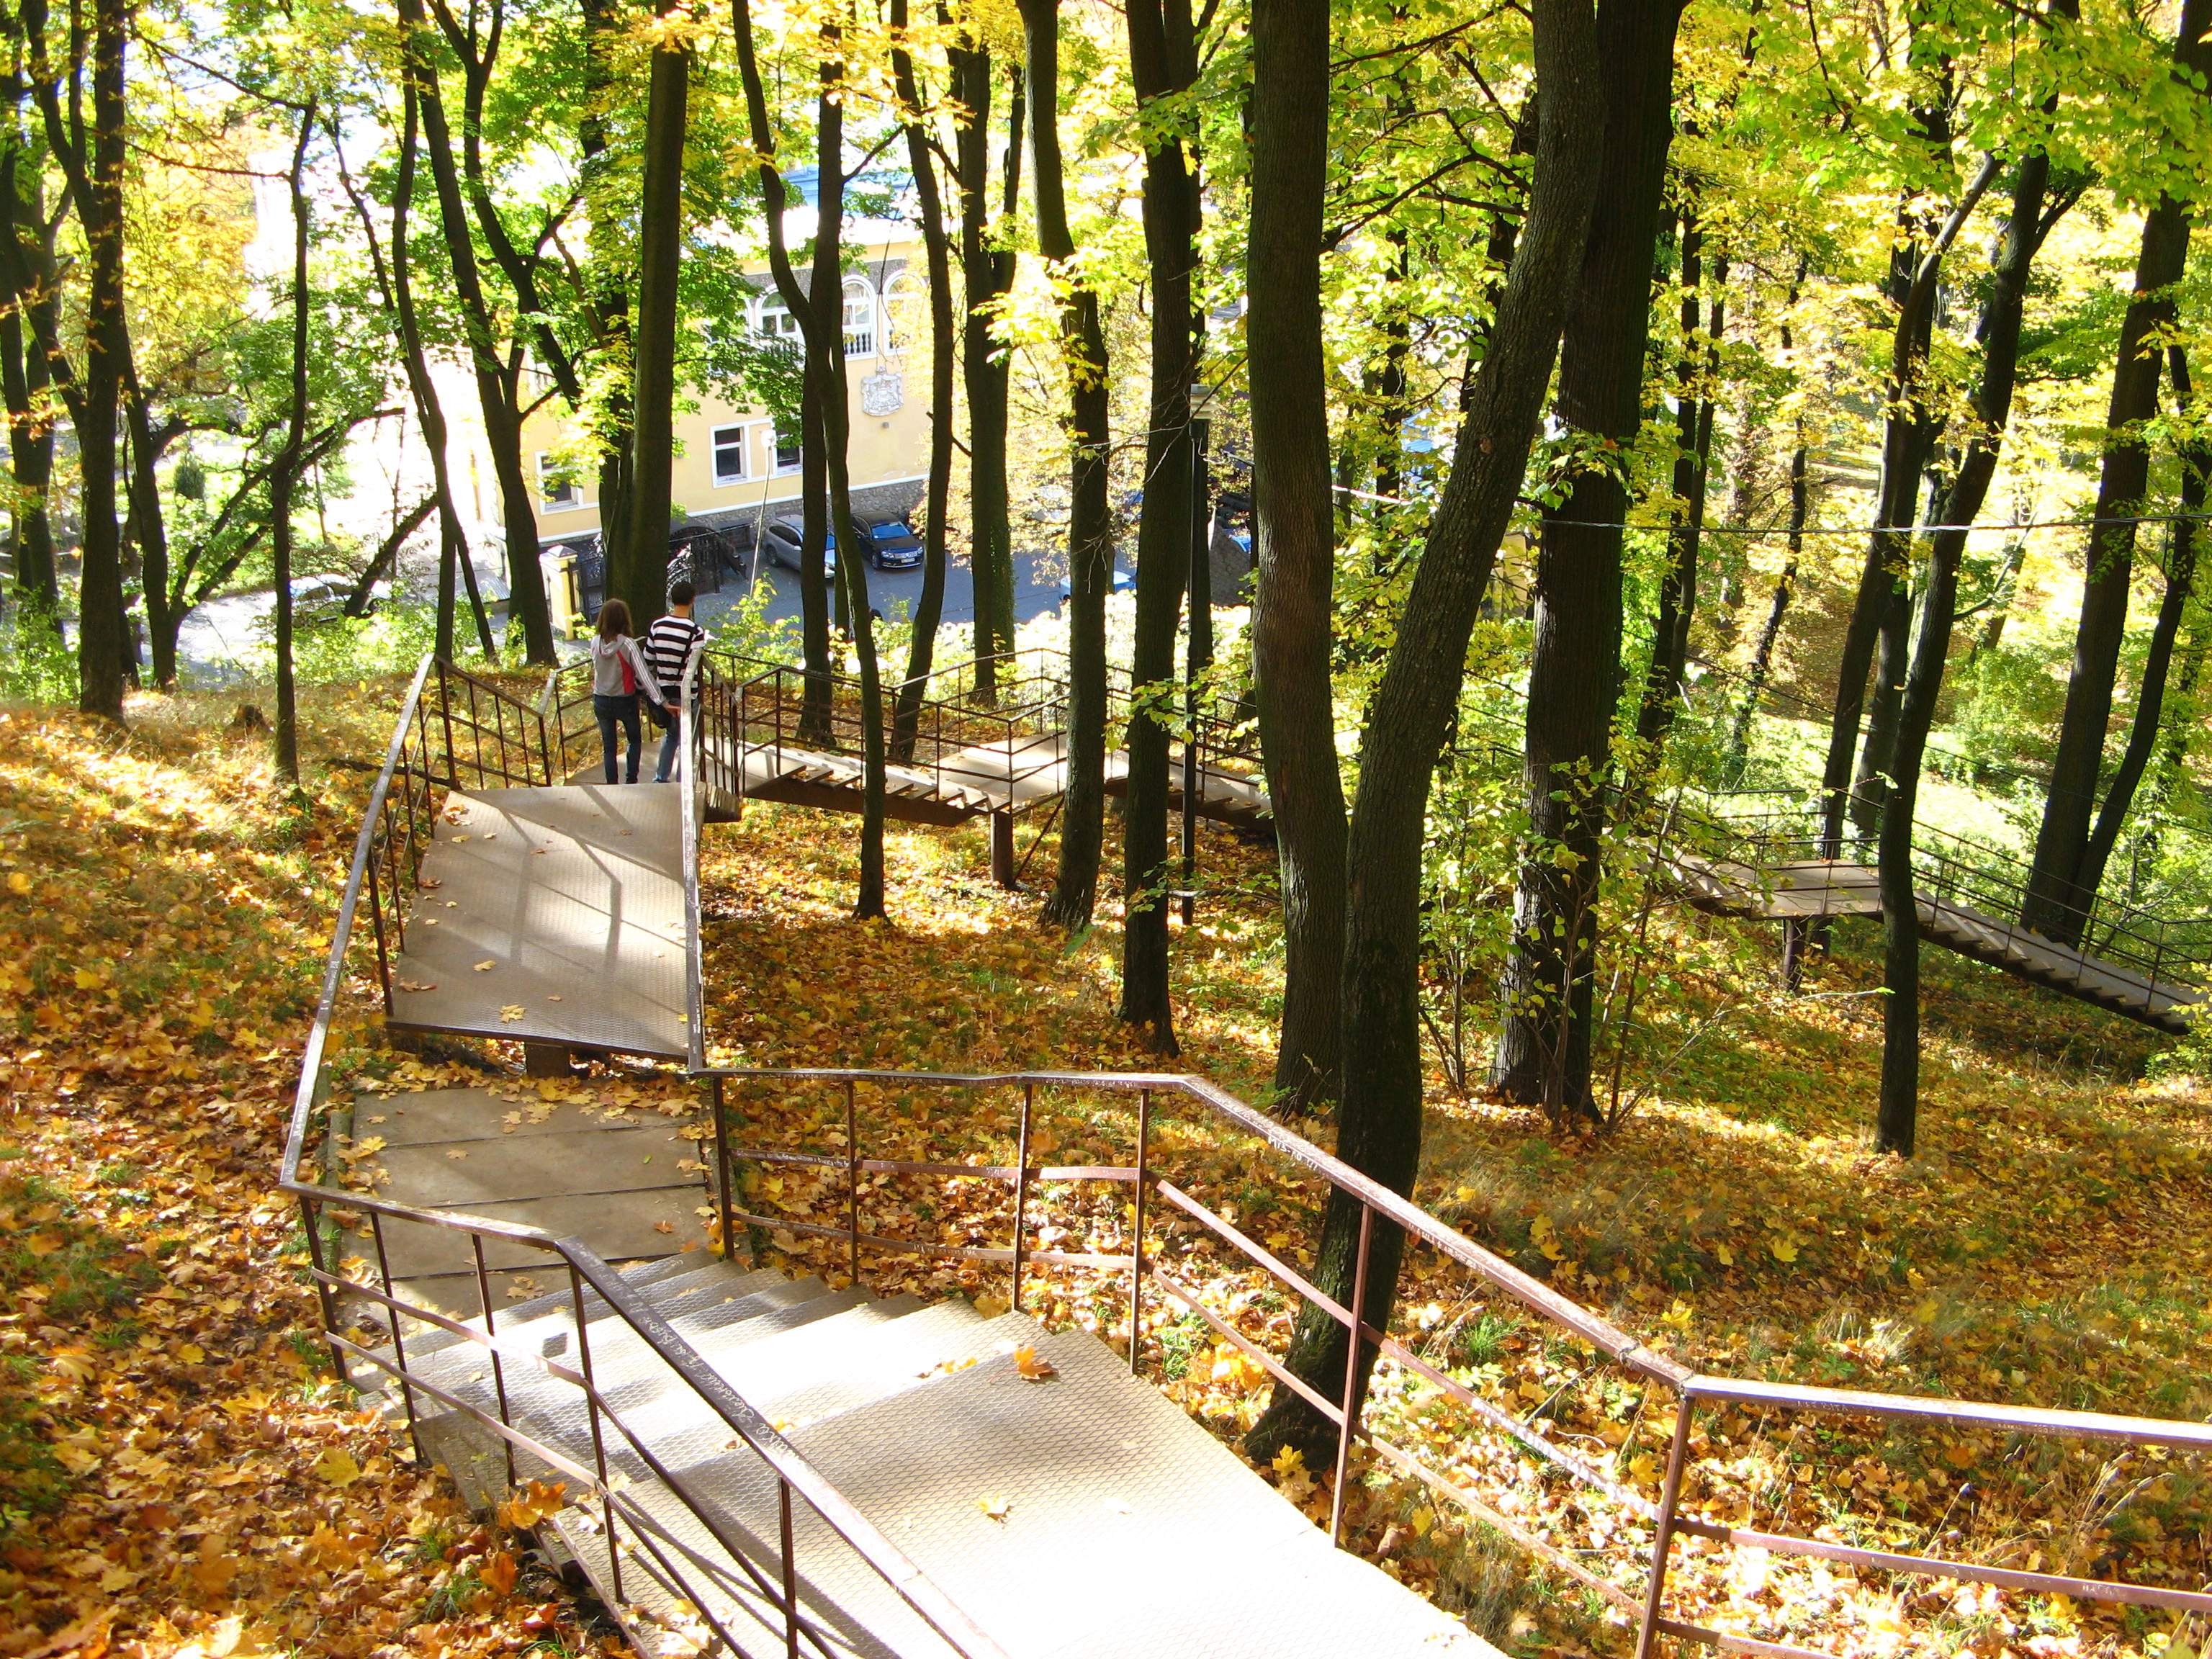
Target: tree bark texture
{"points": [[640, 579], [1544, 1048], [495, 383], [102, 631], [2057, 901], [1379, 1117], [987, 272], [1163, 62], [1090, 529], [285, 478], [943, 332], [1294, 524], [1998, 336], [23, 362]]}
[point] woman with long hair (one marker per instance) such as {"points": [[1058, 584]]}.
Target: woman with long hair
{"points": [[618, 674]]}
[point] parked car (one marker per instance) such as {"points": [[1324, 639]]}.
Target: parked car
{"points": [[784, 538], [892, 544]]}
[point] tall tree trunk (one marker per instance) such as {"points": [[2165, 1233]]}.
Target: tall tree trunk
{"points": [[1544, 1048], [828, 339], [1163, 62], [1696, 373], [1090, 529], [820, 313], [2150, 698], [284, 477], [1294, 526], [1379, 1118], [2057, 901], [1895, 502], [643, 570], [1998, 335], [101, 632], [495, 386], [987, 272], [429, 411], [929, 610], [147, 443], [1770, 632], [23, 363], [815, 599], [603, 22]]}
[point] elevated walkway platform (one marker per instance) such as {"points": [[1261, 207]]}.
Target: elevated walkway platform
{"points": [[1808, 890]]}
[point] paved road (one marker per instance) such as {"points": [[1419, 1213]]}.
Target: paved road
{"points": [[1039, 580]]}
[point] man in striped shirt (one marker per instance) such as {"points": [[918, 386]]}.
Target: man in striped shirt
{"points": [[670, 645]]}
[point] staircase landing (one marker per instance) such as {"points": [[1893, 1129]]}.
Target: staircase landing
{"points": [[574, 895]]}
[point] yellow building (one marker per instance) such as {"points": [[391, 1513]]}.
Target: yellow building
{"points": [[734, 469]]}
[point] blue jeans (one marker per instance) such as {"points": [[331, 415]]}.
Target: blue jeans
{"points": [[671, 724], [612, 711]]}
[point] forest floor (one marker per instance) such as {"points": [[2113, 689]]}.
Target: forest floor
{"points": [[179, 1476]]}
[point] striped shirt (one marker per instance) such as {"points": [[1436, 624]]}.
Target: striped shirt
{"points": [[670, 644]]}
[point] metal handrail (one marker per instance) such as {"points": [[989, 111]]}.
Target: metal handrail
{"points": [[585, 1267], [1378, 1206]]}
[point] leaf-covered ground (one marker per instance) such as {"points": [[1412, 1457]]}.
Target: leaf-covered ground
{"points": [[180, 1475], [177, 1471]]}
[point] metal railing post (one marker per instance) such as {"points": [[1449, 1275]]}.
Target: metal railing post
{"points": [[312, 1224], [1663, 1536], [491, 1334], [1350, 1420], [721, 1160], [1137, 1237], [599, 1441], [790, 1570], [1022, 1189], [851, 1186], [392, 1323]]}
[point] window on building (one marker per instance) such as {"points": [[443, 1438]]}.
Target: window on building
{"points": [[903, 313], [776, 320], [860, 318], [729, 442], [557, 484], [787, 454]]}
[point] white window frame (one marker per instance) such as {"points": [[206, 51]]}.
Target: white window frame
{"points": [[894, 292], [859, 341], [737, 439], [767, 310], [572, 495], [776, 468]]}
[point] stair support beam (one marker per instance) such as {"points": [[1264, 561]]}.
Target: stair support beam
{"points": [[1002, 851]]}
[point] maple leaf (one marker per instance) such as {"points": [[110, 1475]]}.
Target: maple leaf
{"points": [[499, 1572], [486, 966], [996, 1508], [1032, 1368], [338, 1466], [514, 1011], [663, 1226], [18, 882]]}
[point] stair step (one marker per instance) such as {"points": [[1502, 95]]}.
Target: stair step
{"points": [[554, 1308]]}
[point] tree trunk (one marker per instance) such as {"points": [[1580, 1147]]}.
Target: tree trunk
{"points": [[603, 23], [1696, 373], [1163, 62], [2150, 698], [1998, 335], [101, 632], [1294, 525], [987, 272], [1379, 1119], [1770, 632], [644, 569], [23, 366], [162, 621], [284, 477], [1544, 1048], [2057, 901], [1090, 529], [942, 332], [495, 385]]}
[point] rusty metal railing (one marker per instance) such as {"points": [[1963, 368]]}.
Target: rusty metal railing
{"points": [[1038, 1206], [764, 1577]]}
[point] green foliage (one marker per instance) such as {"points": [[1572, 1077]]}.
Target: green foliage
{"points": [[36, 666]]}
